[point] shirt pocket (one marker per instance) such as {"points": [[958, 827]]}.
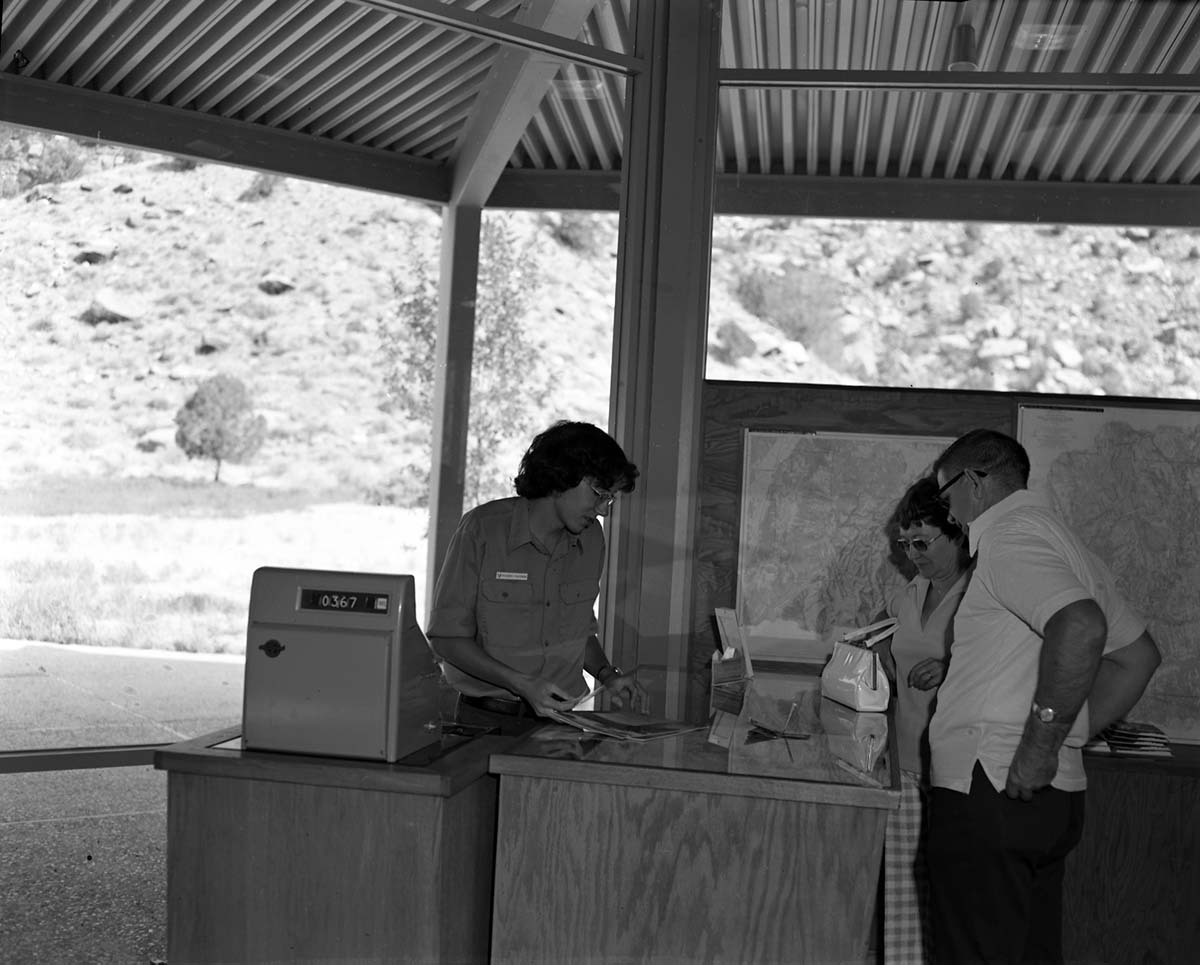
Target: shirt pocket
{"points": [[506, 615], [578, 601]]}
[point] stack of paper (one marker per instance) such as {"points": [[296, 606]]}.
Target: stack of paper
{"points": [[1128, 738], [625, 725], [731, 667]]}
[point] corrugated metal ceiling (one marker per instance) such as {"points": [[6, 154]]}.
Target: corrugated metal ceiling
{"points": [[1059, 90]]}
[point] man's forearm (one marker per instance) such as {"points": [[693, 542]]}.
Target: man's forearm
{"points": [[1071, 647]]}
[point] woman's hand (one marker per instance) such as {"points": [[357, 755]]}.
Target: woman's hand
{"points": [[543, 695], [927, 674], [625, 691]]}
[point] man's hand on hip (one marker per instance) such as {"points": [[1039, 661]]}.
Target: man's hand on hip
{"points": [[1031, 770]]}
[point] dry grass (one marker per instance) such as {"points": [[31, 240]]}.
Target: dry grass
{"points": [[178, 577]]}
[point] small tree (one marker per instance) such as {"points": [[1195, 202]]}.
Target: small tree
{"points": [[218, 422], [509, 383]]}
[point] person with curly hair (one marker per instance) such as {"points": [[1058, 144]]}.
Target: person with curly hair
{"points": [[916, 656], [513, 622]]}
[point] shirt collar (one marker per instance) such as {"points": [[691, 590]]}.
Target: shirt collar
{"points": [[978, 528], [520, 533]]}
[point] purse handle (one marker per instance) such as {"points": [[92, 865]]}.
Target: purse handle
{"points": [[867, 637]]}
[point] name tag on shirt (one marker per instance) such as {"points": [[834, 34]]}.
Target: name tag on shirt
{"points": [[505, 575]]}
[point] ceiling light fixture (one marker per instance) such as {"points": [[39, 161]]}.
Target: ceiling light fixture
{"points": [[963, 55], [1047, 36]]}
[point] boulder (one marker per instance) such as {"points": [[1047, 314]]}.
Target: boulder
{"points": [[997, 348], [1066, 352], [109, 305], [274, 284], [95, 252]]}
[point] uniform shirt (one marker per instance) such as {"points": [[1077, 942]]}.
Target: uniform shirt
{"points": [[1029, 567], [913, 642], [527, 605]]}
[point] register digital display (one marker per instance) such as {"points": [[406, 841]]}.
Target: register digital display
{"points": [[344, 600]]}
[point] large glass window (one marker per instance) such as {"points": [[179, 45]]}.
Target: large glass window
{"points": [[1034, 308], [134, 517]]}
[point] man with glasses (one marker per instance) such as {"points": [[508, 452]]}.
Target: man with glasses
{"points": [[513, 621], [1046, 653]]}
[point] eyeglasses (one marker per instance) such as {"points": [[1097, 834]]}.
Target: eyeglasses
{"points": [[942, 490], [603, 498], [920, 545]]}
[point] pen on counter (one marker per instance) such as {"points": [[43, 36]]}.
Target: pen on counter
{"points": [[786, 743]]}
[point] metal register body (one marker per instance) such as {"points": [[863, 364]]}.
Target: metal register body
{"points": [[337, 682]]}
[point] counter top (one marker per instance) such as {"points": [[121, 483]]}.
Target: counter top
{"points": [[847, 758], [443, 771], [1183, 762]]}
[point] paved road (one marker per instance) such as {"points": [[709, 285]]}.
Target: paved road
{"points": [[83, 853]]}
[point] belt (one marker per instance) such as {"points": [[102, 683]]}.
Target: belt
{"points": [[509, 706]]}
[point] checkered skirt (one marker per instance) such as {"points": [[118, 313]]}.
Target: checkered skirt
{"points": [[907, 933]]}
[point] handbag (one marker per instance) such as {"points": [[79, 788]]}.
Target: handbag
{"points": [[858, 739], [854, 675]]}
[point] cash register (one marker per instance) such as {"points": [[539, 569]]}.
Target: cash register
{"points": [[337, 665]]}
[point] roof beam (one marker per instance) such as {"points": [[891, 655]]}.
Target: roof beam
{"points": [[509, 33], [935, 199], [507, 102], [940, 199], [964, 81], [155, 127], [546, 190]]}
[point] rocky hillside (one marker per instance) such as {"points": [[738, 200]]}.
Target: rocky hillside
{"points": [[126, 283]]}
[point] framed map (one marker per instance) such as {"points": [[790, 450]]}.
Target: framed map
{"points": [[812, 552], [1127, 481]]}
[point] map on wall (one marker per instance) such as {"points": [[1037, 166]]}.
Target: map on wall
{"points": [[1127, 481], [812, 553]]}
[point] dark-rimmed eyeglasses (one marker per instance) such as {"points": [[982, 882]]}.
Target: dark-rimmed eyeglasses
{"points": [[945, 488], [918, 544]]}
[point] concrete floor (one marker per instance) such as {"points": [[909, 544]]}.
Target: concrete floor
{"points": [[83, 852], [83, 877]]}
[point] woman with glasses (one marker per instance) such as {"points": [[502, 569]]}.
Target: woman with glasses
{"points": [[513, 622], [925, 541]]}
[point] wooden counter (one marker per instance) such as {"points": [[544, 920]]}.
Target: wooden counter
{"points": [[282, 857], [680, 850], [1132, 886]]}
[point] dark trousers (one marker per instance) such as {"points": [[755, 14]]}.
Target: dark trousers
{"points": [[996, 872]]}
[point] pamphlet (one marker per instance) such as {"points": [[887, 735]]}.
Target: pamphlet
{"points": [[623, 724], [1129, 738]]}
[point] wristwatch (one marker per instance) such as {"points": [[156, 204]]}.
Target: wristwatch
{"points": [[1047, 715], [605, 674]]}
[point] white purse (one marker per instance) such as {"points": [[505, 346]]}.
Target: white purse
{"points": [[854, 675]]}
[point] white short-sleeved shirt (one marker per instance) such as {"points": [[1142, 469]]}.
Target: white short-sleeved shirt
{"points": [[1029, 566]]}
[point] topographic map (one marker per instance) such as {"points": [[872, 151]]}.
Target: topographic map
{"points": [[1127, 481], [812, 555]]}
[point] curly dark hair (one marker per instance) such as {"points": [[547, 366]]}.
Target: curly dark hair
{"points": [[920, 504], [559, 459]]}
